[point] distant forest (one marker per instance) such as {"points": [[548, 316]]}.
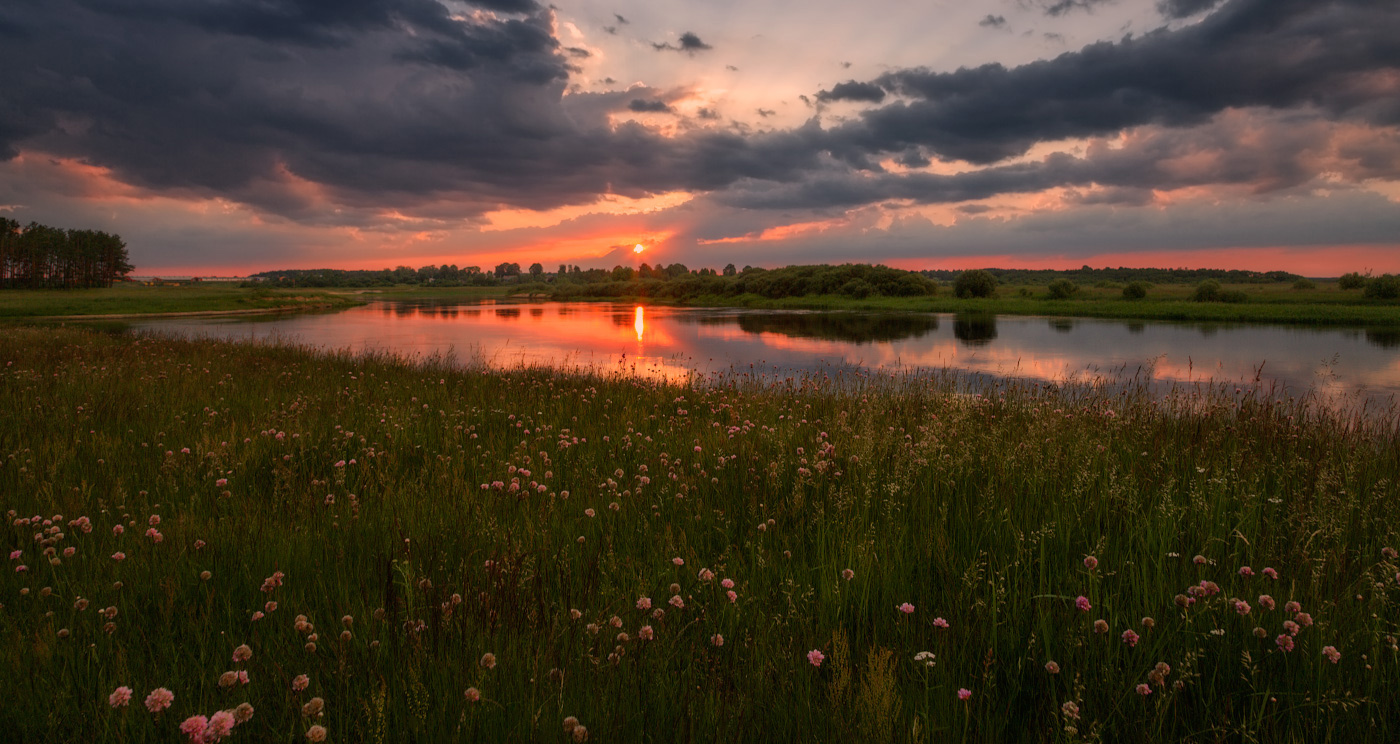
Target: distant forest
{"points": [[37, 256], [679, 282]]}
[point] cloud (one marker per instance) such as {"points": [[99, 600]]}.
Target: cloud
{"points": [[1056, 8], [1336, 56], [642, 105], [1184, 8], [689, 43], [993, 21], [853, 91]]}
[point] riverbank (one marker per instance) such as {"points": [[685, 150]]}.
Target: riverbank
{"points": [[444, 553], [134, 301]]}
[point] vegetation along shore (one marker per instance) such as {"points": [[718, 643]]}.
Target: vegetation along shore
{"points": [[277, 544]]}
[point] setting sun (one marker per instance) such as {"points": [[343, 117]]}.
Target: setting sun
{"points": [[638, 248]]}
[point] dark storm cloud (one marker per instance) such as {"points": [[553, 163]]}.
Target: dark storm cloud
{"points": [[1272, 53], [1184, 8], [332, 112], [689, 43], [853, 91], [642, 105], [993, 21]]}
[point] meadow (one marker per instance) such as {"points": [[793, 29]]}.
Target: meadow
{"points": [[265, 543], [139, 299]]}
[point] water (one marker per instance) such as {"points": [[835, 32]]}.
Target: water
{"points": [[678, 342]]}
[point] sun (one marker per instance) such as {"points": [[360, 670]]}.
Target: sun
{"points": [[638, 248]]}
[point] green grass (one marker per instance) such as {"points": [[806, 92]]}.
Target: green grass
{"points": [[141, 299], [361, 479]]}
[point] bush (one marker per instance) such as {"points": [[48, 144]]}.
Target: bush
{"points": [[1135, 290], [975, 283], [1385, 287], [1062, 289], [857, 288], [1352, 280], [1304, 283], [1233, 295], [1207, 291]]}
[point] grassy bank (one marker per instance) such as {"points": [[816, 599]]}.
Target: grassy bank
{"points": [[563, 545], [144, 300]]}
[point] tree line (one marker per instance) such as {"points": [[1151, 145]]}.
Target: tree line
{"points": [[36, 256]]}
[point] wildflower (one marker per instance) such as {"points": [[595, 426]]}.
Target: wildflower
{"points": [[220, 725], [1148, 623], [1100, 626], [1130, 638], [706, 574], [1331, 652], [1090, 562], [1199, 560], [646, 633], [678, 561], [1266, 601], [581, 731], [243, 713], [727, 583], [732, 596], [815, 657], [473, 695], [939, 622], [1246, 571], [15, 554], [1290, 627], [925, 657], [589, 512], [1052, 667], [615, 621], [488, 660], [848, 574], [159, 699], [1070, 710], [316, 734], [1270, 573], [964, 693], [121, 696], [194, 727], [1292, 607], [1144, 689], [1304, 619], [1285, 642], [313, 708], [118, 530], [1082, 603], [228, 679], [300, 682], [242, 677], [1260, 633], [1242, 607], [575, 614], [644, 604], [906, 608], [242, 654], [677, 602]]}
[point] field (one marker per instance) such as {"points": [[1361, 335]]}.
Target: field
{"points": [[137, 299], [364, 549]]}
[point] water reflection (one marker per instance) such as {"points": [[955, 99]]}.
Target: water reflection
{"points": [[975, 329], [678, 342]]}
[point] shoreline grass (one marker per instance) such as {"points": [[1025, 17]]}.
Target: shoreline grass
{"points": [[423, 515], [139, 300]]}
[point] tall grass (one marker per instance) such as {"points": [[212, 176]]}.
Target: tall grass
{"points": [[424, 515]]}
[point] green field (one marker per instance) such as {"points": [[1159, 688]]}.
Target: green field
{"points": [[139, 299], [169, 501]]}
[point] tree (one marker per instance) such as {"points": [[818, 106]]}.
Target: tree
{"points": [[507, 269], [1135, 291], [536, 271], [729, 270], [975, 283], [1385, 287]]}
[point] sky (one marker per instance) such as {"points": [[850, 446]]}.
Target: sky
{"points": [[222, 137]]}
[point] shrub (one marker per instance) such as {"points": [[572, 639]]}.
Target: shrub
{"points": [[1233, 295], [1351, 280], [975, 283], [1207, 291], [1304, 283], [857, 288], [1135, 290], [1062, 289], [1385, 287]]}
